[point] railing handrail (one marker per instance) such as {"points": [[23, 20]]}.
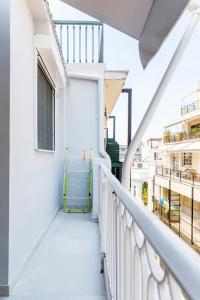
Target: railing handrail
{"points": [[74, 22], [184, 131], [179, 258], [172, 137], [180, 177]]}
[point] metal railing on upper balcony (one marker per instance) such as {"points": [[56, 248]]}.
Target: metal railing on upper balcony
{"points": [[185, 109], [143, 258], [187, 176], [173, 137], [81, 41]]}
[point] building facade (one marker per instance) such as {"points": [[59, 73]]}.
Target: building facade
{"points": [[175, 188], [142, 167]]}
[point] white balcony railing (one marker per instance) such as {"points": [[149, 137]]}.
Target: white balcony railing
{"points": [[143, 258], [81, 41]]}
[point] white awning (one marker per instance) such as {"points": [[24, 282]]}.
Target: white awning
{"points": [[164, 147], [148, 21], [191, 146], [194, 146], [179, 147]]}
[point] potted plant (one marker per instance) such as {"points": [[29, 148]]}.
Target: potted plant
{"points": [[180, 136], [166, 136], [145, 193]]}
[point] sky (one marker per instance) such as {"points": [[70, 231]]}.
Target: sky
{"points": [[121, 53]]}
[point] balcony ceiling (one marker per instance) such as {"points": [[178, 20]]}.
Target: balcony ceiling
{"points": [[114, 83], [147, 21]]}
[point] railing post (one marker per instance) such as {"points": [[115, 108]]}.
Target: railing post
{"points": [[192, 215], [169, 199], [74, 44], [101, 50]]}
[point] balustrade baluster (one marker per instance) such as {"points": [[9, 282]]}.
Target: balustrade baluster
{"points": [[67, 44], [92, 43], [86, 43], [61, 35], [80, 43], [74, 44]]}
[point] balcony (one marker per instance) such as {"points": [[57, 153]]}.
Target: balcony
{"points": [[66, 265], [136, 263], [81, 41], [174, 137], [188, 176], [186, 109]]}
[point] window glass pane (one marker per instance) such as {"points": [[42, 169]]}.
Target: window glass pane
{"points": [[187, 158], [45, 112]]}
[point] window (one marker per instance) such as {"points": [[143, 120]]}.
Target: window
{"points": [[187, 158], [45, 111], [196, 126]]}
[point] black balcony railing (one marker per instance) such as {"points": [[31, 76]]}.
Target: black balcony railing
{"points": [[187, 176], [81, 41], [185, 109], [187, 229], [173, 137]]}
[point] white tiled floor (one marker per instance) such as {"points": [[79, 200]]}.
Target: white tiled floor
{"points": [[66, 265]]}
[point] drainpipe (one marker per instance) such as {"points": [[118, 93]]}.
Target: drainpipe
{"points": [[100, 117], [159, 93]]}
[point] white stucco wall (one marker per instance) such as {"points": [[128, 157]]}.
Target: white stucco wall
{"points": [[81, 118], [35, 177], [81, 126]]}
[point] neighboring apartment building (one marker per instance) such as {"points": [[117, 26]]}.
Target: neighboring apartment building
{"points": [[137, 156], [175, 189], [148, 153]]}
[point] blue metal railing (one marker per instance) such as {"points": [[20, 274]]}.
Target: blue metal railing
{"points": [[81, 41]]}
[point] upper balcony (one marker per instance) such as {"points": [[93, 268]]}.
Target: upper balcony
{"points": [[193, 105], [176, 137], [81, 41]]}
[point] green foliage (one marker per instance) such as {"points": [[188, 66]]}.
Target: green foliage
{"points": [[145, 193]]}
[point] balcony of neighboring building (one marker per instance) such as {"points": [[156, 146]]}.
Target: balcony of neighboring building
{"points": [[183, 130], [191, 102], [180, 213], [187, 127], [186, 176]]}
